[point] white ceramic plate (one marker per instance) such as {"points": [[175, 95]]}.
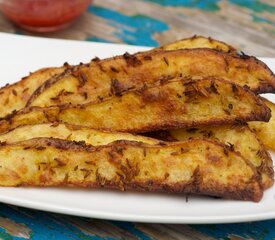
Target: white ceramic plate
{"points": [[19, 55]]}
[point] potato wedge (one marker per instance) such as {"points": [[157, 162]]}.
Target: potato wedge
{"points": [[195, 166], [15, 96], [199, 42], [71, 132], [238, 137], [266, 131], [170, 105], [94, 80]]}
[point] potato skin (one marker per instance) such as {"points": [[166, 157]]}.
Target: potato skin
{"points": [[193, 167], [170, 105], [89, 82]]}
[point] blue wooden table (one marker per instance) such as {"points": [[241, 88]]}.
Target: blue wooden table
{"points": [[246, 24]]}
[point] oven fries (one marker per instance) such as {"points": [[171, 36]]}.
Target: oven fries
{"points": [[84, 83], [194, 166], [16, 96], [266, 131], [196, 98], [238, 137], [170, 105]]}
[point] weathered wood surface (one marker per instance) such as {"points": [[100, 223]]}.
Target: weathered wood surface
{"points": [[21, 223], [247, 24]]}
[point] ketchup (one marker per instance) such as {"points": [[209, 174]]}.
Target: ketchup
{"points": [[43, 15]]}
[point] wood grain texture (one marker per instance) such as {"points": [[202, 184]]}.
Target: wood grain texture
{"points": [[20, 223], [246, 24]]}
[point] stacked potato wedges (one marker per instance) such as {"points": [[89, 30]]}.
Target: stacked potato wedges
{"points": [[182, 118]]}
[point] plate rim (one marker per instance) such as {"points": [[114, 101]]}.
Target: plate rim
{"points": [[138, 218]]}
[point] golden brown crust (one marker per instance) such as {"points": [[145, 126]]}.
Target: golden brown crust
{"points": [[194, 166], [171, 105], [90, 82], [238, 137], [136, 93], [265, 131], [14, 96], [50, 81]]}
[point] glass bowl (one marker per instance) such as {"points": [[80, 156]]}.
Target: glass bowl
{"points": [[43, 15]]}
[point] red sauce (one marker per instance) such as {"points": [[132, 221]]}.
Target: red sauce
{"points": [[43, 13]]}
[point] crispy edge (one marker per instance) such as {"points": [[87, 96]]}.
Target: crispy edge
{"points": [[195, 40], [180, 44], [51, 114], [18, 93], [56, 130]]}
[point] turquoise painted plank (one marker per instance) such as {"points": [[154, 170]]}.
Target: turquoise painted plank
{"points": [[213, 5], [135, 30], [263, 230], [97, 39], [43, 225], [255, 5], [206, 5], [262, 20], [47, 226]]}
